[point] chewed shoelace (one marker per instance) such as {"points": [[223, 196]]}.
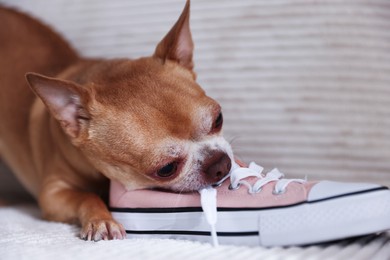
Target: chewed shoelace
{"points": [[237, 179]]}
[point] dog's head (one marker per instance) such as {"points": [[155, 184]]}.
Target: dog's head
{"points": [[145, 122]]}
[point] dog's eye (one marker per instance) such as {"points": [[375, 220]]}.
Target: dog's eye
{"points": [[167, 170], [218, 122]]}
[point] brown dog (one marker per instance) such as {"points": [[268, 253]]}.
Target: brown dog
{"points": [[145, 123]]}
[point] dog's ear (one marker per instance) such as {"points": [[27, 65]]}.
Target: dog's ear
{"points": [[65, 100], [177, 45]]}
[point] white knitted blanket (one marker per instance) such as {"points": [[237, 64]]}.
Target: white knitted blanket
{"points": [[24, 235]]}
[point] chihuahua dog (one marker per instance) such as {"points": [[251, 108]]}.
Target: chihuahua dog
{"points": [[145, 123]]}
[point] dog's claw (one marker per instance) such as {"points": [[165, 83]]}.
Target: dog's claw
{"points": [[102, 230]]}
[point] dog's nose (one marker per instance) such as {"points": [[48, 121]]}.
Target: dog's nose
{"points": [[217, 166]]}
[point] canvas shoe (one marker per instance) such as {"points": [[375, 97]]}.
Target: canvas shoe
{"points": [[249, 208]]}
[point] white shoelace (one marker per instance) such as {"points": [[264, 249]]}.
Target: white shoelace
{"points": [[237, 175]]}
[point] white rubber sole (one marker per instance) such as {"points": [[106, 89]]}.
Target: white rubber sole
{"points": [[305, 223]]}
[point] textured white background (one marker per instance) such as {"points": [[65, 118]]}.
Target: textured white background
{"points": [[304, 84]]}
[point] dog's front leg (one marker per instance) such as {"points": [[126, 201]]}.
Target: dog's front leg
{"points": [[61, 202]]}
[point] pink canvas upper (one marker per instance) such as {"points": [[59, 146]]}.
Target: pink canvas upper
{"points": [[240, 198]]}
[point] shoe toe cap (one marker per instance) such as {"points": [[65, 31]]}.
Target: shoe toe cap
{"points": [[328, 189]]}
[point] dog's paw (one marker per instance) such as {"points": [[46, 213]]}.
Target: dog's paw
{"points": [[102, 230]]}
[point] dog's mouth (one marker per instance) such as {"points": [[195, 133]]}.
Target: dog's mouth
{"points": [[213, 172]]}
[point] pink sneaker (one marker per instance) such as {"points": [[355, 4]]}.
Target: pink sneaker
{"points": [[254, 209]]}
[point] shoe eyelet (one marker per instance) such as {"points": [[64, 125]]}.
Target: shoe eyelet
{"points": [[216, 185], [278, 192], [234, 188], [258, 190]]}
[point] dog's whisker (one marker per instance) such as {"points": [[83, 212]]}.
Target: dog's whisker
{"points": [[178, 197], [233, 139]]}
